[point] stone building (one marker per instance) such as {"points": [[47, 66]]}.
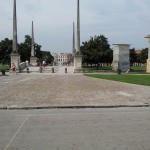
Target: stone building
{"points": [[62, 58]]}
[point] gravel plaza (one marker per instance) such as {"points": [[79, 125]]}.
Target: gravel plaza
{"points": [[65, 129], [68, 90]]}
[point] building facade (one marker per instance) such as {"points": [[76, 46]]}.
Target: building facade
{"points": [[62, 58]]}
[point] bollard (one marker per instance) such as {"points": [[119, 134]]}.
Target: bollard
{"points": [[3, 72], [27, 70], [41, 69], [52, 70], [119, 71], [65, 70]]}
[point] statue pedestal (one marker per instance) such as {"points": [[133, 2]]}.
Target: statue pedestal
{"points": [[77, 63], [33, 61], [15, 58], [121, 57], [148, 66]]}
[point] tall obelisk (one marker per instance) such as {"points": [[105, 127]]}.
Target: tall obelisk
{"points": [[148, 60], [15, 57], [32, 42], [33, 59], [78, 56], [73, 40], [78, 27]]}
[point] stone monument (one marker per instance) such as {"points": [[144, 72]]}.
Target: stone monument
{"points": [[73, 41], [148, 60], [15, 57], [33, 59], [121, 57], [77, 55]]}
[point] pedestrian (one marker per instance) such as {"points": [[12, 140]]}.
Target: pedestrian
{"points": [[13, 68]]}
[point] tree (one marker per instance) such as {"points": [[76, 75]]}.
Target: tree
{"points": [[24, 50], [5, 51], [46, 56], [96, 50], [133, 56], [144, 55]]}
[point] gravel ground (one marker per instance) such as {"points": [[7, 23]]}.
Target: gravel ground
{"points": [[30, 90]]}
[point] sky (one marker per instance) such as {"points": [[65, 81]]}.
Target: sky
{"points": [[121, 21]]}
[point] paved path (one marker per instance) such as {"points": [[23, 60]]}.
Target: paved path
{"points": [[76, 129], [48, 69], [53, 90]]}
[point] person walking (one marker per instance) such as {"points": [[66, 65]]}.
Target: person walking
{"points": [[13, 68]]}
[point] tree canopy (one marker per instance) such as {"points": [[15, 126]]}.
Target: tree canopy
{"points": [[138, 57], [5, 51], [96, 50], [24, 50]]}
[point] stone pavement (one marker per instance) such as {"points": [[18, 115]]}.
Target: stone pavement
{"points": [[75, 129], [48, 69], [47, 90]]}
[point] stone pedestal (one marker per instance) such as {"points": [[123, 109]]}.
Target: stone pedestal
{"points": [[121, 57], [15, 58], [77, 63], [33, 61], [148, 66], [148, 60]]}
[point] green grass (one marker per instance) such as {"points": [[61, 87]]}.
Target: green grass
{"points": [[4, 68], [95, 68], [134, 79], [138, 68]]}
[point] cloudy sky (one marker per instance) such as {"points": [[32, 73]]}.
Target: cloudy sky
{"points": [[121, 21]]}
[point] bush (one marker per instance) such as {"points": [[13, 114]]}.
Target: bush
{"points": [[4, 68]]}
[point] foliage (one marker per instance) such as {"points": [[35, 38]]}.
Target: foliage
{"points": [[24, 50], [144, 55], [138, 58], [133, 56], [46, 56], [96, 50], [138, 68], [5, 51], [134, 79], [95, 68], [4, 68]]}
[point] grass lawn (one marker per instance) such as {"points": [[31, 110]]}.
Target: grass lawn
{"points": [[134, 68], [138, 68], [134, 79], [95, 68]]}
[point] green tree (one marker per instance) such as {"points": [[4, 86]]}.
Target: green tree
{"points": [[96, 50], [25, 49], [5, 51], [133, 56], [46, 56], [144, 55]]}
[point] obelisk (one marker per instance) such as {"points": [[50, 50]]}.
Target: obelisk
{"points": [[73, 42], [78, 56], [15, 57], [148, 60], [78, 27], [33, 59], [32, 42]]}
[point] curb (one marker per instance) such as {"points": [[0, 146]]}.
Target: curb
{"points": [[70, 107]]}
